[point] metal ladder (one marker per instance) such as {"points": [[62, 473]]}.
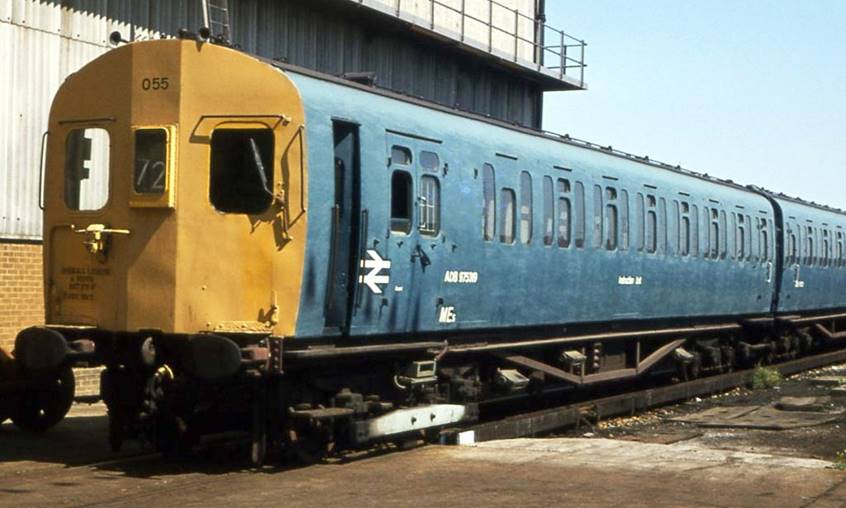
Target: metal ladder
{"points": [[216, 18]]}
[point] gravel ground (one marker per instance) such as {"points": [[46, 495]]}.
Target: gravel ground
{"points": [[819, 442]]}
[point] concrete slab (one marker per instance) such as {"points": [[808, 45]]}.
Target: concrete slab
{"points": [[631, 455], [804, 403], [828, 380], [757, 418]]}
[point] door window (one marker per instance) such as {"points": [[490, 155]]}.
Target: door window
{"points": [[401, 199], [508, 215], [489, 203], [430, 206], [87, 169], [429, 161], [525, 207], [548, 211]]}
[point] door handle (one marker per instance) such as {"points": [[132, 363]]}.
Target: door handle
{"points": [[420, 254], [97, 236], [362, 248], [333, 256], [769, 272]]}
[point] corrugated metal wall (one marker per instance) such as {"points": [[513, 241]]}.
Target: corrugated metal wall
{"points": [[43, 41], [503, 27]]}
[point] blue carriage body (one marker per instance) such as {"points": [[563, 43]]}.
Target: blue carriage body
{"points": [[703, 264], [813, 268]]}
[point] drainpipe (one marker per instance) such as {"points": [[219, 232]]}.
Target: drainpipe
{"points": [[540, 23]]}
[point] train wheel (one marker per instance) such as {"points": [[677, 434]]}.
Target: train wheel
{"points": [[729, 358], [311, 443], [45, 403], [694, 368]]}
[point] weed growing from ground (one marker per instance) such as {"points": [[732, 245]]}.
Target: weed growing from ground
{"points": [[765, 377]]}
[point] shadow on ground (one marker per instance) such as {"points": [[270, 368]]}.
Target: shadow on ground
{"points": [[81, 441]]}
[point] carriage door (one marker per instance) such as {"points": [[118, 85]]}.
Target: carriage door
{"points": [[345, 228], [414, 178]]}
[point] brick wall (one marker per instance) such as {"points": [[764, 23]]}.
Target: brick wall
{"points": [[21, 286], [22, 304]]}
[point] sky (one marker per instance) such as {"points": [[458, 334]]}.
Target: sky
{"points": [[750, 90]]}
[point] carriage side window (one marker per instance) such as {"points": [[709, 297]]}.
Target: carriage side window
{"points": [[733, 234], [740, 244], [675, 227], [714, 234], [832, 253], [749, 240], [832, 256], [400, 155], [597, 216], [579, 216], [789, 245], [641, 225], [611, 219], [826, 258], [564, 213], [548, 211], [764, 239], [429, 161], [241, 170], [724, 235], [651, 225], [771, 237], [694, 230], [840, 249], [809, 246], [663, 247], [430, 205], [489, 204], [790, 252], [525, 208], [401, 202], [150, 161], [508, 214], [624, 220], [87, 169], [684, 229]]}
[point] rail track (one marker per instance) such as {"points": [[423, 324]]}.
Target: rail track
{"points": [[531, 424], [547, 420]]}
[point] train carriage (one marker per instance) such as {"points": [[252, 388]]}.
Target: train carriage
{"points": [[517, 216], [247, 245]]}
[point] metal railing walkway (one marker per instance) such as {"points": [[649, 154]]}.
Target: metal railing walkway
{"points": [[497, 29]]}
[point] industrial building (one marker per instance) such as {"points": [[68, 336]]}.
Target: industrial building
{"points": [[489, 57]]}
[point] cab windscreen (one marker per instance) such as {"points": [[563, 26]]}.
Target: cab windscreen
{"points": [[241, 170]]}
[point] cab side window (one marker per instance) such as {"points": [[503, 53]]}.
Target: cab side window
{"points": [[150, 172], [241, 170]]}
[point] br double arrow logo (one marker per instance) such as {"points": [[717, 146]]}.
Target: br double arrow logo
{"points": [[374, 277]]}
